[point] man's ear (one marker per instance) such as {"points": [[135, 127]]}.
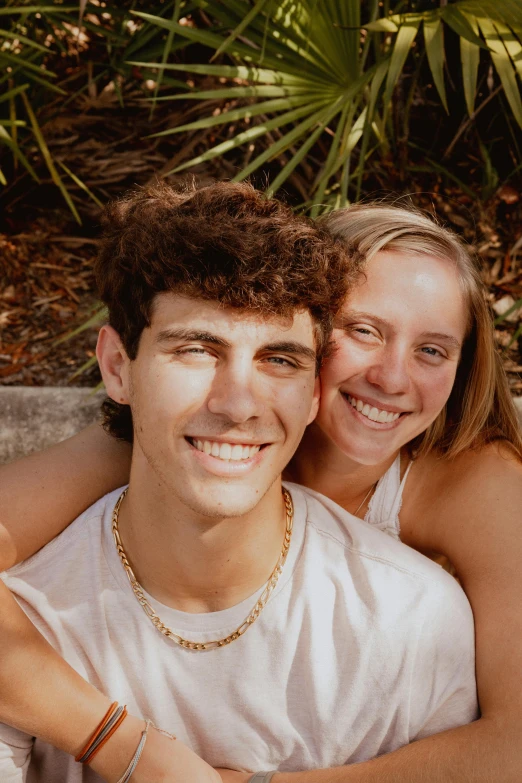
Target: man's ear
{"points": [[315, 401], [114, 364]]}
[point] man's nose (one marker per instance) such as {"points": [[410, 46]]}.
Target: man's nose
{"points": [[236, 393], [390, 371]]}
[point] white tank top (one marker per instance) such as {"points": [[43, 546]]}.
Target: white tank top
{"points": [[384, 507]]}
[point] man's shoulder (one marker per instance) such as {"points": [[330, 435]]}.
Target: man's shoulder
{"points": [[83, 533], [373, 549]]}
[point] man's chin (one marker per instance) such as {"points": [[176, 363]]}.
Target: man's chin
{"points": [[224, 499], [226, 508]]}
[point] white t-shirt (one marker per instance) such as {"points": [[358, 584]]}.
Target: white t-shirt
{"points": [[363, 647]]}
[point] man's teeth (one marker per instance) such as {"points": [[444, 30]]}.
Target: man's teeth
{"points": [[374, 414], [226, 451]]}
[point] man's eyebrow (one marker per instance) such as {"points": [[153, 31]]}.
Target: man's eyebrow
{"points": [[291, 347], [356, 315], [191, 335]]}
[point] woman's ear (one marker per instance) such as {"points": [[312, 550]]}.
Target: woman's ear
{"points": [[315, 401], [114, 363]]}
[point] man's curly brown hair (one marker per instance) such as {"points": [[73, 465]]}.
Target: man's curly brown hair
{"points": [[225, 242]]}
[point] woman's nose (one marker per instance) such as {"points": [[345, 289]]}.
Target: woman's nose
{"points": [[390, 372]]}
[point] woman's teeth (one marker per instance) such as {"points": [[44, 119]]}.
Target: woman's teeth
{"points": [[374, 414], [226, 451]]}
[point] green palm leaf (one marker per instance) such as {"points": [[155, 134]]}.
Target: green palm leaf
{"points": [[405, 37], [245, 112], [247, 137], [503, 66], [470, 59], [434, 40], [322, 116]]}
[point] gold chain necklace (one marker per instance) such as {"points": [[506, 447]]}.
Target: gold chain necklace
{"points": [[245, 625]]}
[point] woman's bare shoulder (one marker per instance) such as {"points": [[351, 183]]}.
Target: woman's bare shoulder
{"points": [[449, 500]]}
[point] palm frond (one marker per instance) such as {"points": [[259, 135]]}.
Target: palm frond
{"points": [[297, 52]]}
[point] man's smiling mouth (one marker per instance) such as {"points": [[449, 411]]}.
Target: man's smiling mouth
{"points": [[228, 452]]}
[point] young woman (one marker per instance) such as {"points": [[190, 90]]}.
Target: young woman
{"points": [[416, 433]]}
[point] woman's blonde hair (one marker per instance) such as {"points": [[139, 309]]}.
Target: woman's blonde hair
{"points": [[480, 408]]}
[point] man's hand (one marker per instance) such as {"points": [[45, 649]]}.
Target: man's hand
{"points": [[231, 776]]}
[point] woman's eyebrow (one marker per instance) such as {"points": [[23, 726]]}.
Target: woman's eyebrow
{"points": [[358, 315], [445, 338]]}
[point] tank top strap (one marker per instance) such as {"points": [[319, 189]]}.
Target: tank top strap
{"points": [[385, 505]]}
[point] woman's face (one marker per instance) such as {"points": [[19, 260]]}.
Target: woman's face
{"points": [[398, 342]]}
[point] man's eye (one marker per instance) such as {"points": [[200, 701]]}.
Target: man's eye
{"points": [[280, 361], [192, 351]]}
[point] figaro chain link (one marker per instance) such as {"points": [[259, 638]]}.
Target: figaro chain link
{"points": [[245, 625]]}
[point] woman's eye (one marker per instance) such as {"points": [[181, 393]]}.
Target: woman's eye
{"points": [[363, 332], [430, 351]]}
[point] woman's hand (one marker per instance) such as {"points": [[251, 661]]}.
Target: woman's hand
{"points": [[170, 761], [164, 760]]}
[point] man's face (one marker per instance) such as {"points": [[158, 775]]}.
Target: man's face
{"points": [[220, 399]]}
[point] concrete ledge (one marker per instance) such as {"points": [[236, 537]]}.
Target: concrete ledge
{"points": [[32, 418]]}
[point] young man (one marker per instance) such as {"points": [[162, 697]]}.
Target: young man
{"points": [[279, 632]]}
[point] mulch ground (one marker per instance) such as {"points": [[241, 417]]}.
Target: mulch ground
{"points": [[46, 281], [46, 289]]}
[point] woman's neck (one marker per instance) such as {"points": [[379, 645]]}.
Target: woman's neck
{"points": [[320, 465]]}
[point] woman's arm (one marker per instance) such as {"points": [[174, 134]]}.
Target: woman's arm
{"points": [[41, 695], [471, 511], [43, 493]]}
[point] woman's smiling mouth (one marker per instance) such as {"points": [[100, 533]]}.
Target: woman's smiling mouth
{"points": [[371, 412]]}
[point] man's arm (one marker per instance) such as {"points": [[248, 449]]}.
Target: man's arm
{"points": [[43, 493]]}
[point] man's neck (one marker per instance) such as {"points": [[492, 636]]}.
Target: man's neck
{"points": [[196, 563]]}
